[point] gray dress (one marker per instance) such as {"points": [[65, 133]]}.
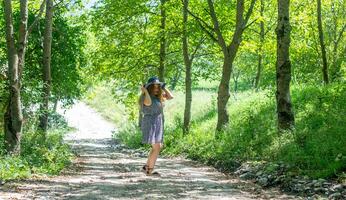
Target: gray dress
{"points": [[152, 121]]}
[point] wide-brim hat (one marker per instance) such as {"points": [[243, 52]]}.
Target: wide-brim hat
{"points": [[152, 81]]}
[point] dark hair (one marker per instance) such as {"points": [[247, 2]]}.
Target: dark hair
{"points": [[150, 90]]}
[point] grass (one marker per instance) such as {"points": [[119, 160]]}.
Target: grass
{"points": [[101, 99], [38, 156], [315, 148]]}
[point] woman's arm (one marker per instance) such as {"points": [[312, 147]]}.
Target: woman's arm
{"points": [[147, 99], [168, 94]]}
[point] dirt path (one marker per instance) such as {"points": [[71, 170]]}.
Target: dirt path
{"points": [[104, 169]]}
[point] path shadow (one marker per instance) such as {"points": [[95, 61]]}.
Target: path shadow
{"points": [[105, 169]]}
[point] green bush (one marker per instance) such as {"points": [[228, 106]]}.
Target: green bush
{"points": [[48, 156], [39, 154], [13, 168], [319, 142]]}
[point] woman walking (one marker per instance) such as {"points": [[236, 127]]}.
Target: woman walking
{"points": [[151, 120]]}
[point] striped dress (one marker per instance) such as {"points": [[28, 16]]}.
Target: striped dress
{"points": [[152, 122]]}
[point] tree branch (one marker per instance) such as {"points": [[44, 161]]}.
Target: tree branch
{"points": [[239, 25], [196, 49], [31, 27], [220, 38], [132, 67], [341, 34], [248, 25], [202, 24], [248, 14], [269, 28]]}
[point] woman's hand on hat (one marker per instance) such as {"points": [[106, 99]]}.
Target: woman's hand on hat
{"points": [[143, 89], [163, 85]]}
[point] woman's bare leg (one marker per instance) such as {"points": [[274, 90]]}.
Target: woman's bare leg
{"points": [[154, 153]]}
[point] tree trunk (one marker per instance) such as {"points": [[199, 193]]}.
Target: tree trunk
{"points": [[323, 48], [223, 94], [229, 53], [283, 68], [260, 50], [162, 42], [47, 46], [188, 63], [13, 118], [337, 37]]}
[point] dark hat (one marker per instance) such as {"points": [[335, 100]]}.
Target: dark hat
{"points": [[153, 80]]}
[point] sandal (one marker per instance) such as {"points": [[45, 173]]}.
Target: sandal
{"points": [[151, 173], [145, 169]]}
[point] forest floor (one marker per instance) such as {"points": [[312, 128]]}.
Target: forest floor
{"points": [[105, 169]]}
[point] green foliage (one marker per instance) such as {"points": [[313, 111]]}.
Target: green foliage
{"points": [[39, 154], [104, 99], [13, 168], [117, 45], [319, 139], [125, 45], [130, 135], [67, 59], [48, 156]]}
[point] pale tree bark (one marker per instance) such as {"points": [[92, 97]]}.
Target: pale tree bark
{"points": [[260, 50], [47, 80], [229, 54], [163, 41], [283, 68], [188, 63], [13, 118], [323, 48]]}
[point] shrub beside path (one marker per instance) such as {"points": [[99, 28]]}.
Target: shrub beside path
{"points": [[105, 169]]}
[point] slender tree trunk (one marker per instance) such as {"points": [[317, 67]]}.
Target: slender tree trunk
{"points": [[323, 48], [224, 94], [188, 63], [229, 53], [163, 42], [22, 39], [223, 90], [283, 68], [337, 37], [47, 46], [260, 50], [335, 43], [13, 118]]}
